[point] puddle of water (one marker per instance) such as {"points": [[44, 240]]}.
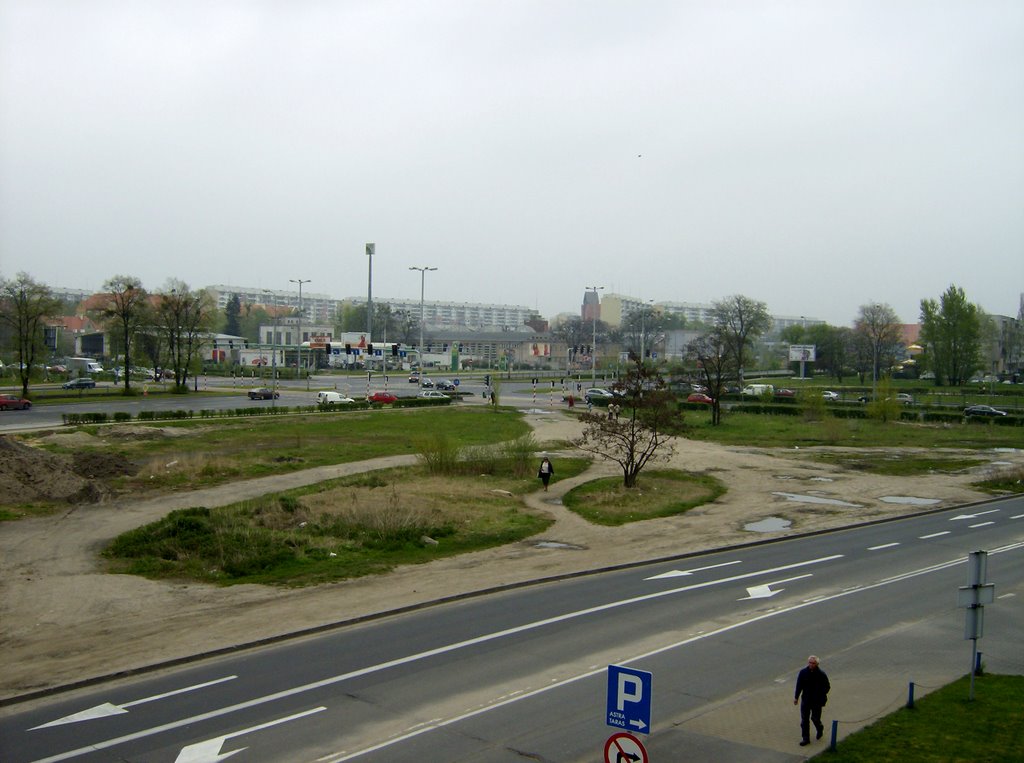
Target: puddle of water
{"points": [[556, 544], [822, 479], [909, 500], [769, 525], [1001, 463], [1004, 450], [534, 411], [799, 498]]}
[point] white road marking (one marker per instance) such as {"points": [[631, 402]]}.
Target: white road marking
{"points": [[680, 573], [208, 751], [884, 545], [933, 535], [980, 524]]}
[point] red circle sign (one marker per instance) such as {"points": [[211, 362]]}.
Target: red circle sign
{"points": [[623, 747]]}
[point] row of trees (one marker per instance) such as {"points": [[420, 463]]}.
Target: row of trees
{"points": [[166, 327]]}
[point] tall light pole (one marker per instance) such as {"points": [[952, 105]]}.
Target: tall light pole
{"points": [[273, 358], [423, 278], [593, 349], [298, 360], [643, 314]]}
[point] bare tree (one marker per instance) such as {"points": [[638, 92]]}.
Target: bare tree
{"points": [[740, 320], [24, 307], [125, 310], [717, 366], [636, 429], [183, 316], [879, 329]]}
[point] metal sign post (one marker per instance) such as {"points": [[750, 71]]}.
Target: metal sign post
{"points": [[973, 597]]}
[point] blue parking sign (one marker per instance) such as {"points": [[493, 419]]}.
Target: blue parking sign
{"points": [[629, 699]]}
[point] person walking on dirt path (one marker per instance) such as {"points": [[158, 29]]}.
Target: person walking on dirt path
{"points": [[545, 471], [812, 683]]}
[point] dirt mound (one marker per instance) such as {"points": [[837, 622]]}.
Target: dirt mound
{"points": [[29, 474], [102, 465]]}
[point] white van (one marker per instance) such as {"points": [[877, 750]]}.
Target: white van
{"points": [[757, 390], [323, 398]]}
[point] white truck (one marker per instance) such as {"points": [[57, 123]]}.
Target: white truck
{"points": [[79, 366]]}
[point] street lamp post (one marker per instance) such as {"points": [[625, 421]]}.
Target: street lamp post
{"points": [[423, 278], [273, 359], [593, 348], [298, 358]]}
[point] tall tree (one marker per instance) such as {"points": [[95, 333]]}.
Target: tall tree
{"points": [[717, 366], [951, 334], [880, 333], [25, 305], [125, 310], [641, 432], [232, 316], [834, 348], [183, 317], [740, 320]]}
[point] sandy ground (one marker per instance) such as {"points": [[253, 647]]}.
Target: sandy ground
{"points": [[63, 621]]}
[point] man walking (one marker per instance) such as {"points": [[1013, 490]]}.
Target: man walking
{"points": [[813, 685]]}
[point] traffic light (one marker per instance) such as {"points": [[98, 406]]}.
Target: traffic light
{"points": [[369, 349], [394, 350], [348, 348], [487, 380]]}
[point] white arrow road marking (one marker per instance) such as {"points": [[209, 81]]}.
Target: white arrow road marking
{"points": [[208, 751], [765, 591], [680, 573], [973, 516], [446, 649], [107, 709]]}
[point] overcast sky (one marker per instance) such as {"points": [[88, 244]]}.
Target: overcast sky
{"points": [[817, 155]]}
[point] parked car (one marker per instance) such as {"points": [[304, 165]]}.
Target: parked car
{"points": [[10, 402], [699, 397], [432, 394], [82, 382], [263, 393], [986, 411], [830, 396], [322, 398], [382, 397]]}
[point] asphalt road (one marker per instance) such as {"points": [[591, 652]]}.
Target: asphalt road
{"points": [[523, 674]]}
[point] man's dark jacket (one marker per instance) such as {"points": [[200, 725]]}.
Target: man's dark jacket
{"points": [[814, 685]]}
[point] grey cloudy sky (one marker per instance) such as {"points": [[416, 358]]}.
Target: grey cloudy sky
{"points": [[814, 154]]}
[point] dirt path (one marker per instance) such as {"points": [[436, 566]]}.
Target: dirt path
{"points": [[62, 621]]}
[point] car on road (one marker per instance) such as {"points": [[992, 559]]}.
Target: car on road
{"points": [[382, 397], [433, 394], [445, 384], [830, 396], [325, 397], [263, 393], [10, 402], [427, 383], [904, 398], [783, 392], [699, 397], [83, 382], [983, 411], [598, 396], [414, 377]]}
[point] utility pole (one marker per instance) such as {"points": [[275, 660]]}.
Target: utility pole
{"points": [[298, 360], [593, 348], [423, 278]]}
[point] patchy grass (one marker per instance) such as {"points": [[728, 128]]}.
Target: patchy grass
{"points": [[945, 727], [659, 493], [351, 527], [739, 428], [1006, 481], [897, 464]]}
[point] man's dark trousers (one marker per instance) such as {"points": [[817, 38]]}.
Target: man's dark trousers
{"points": [[810, 713]]}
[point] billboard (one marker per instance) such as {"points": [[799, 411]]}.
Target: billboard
{"points": [[801, 352]]}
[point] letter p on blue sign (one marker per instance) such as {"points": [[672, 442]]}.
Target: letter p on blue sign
{"points": [[629, 699]]}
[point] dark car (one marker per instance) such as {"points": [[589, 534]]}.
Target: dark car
{"points": [[10, 402], [382, 397], [445, 384], [263, 393], [83, 382], [598, 396], [983, 411]]}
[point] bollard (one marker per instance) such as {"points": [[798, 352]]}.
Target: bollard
{"points": [[910, 696], [835, 735], [977, 664]]}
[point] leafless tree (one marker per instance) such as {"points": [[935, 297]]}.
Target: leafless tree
{"points": [[879, 329], [740, 320], [24, 307], [717, 366], [125, 310], [637, 427], [183, 317]]}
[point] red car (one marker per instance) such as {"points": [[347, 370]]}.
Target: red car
{"points": [[382, 397], [699, 397], [14, 403]]}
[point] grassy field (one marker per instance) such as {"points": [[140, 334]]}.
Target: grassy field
{"points": [[659, 493], [359, 525], [945, 727]]}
